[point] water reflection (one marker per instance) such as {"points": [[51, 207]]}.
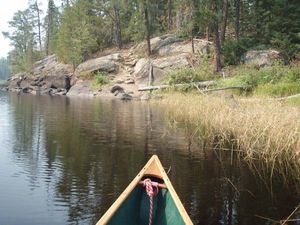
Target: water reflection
{"points": [[68, 159]]}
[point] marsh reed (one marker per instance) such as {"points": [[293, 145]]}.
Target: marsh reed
{"points": [[262, 131]]}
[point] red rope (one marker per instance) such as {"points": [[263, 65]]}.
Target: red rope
{"points": [[152, 190]]}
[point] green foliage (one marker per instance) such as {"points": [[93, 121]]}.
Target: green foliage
{"points": [[81, 27], [273, 24], [75, 39], [51, 26], [187, 75], [278, 80], [232, 51], [136, 28], [22, 37], [101, 78], [278, 89]]}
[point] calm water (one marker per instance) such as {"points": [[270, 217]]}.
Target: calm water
{"points": [[64, 161]]}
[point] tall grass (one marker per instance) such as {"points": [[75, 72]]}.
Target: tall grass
{"points": [[275, 81], [269, 132]]}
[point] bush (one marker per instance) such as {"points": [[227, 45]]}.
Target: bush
{"points": [[101, 78], [277, 80], [278, 90], [204, 71], [232, 52]]}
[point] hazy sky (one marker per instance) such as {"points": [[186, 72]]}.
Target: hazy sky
{"points": [[7, 10]]}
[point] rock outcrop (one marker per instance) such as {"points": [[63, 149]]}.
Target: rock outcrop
{"points": [[126, 70], [156, 44], [201, 47], [47, 77], [82, 88], [49, 66], [169, 45], [261, 58], [159, 67], [105, 64]]}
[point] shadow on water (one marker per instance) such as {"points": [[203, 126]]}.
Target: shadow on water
{"points": [[75, 156]]}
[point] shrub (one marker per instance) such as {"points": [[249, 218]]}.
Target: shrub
{"points": [[278, 80], [202, 72], [278, 90], [101, 78], [232, 52]]}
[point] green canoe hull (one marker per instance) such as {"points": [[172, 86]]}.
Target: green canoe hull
{"points": [[135, 209]]}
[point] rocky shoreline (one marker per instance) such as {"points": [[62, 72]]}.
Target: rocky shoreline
{"points": [[127, 70]]}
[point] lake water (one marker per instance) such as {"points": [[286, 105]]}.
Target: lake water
{"points": [[65, 161]]}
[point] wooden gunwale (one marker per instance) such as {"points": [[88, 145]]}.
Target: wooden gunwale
{"points": [[152, 168]]}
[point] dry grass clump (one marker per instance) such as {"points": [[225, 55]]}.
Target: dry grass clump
{"points": [[268, 131]]}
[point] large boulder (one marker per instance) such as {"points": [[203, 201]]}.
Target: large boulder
{"points": [[159, 68], [171, 45], [156, 44], [81, 88], [171, 62], [18, 82], [201, 47], [105, 64], [59, 81], [261, 58], [47, 76], [49, 66]]}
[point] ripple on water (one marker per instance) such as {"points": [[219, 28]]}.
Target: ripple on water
{"points": [[64, 161]]}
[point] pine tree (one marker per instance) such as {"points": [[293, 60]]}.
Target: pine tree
{"points": [[75, 39], [51, 27], [36, 19]]}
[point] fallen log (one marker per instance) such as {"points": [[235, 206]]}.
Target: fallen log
{"points": [[225, 88], [202, 84]]}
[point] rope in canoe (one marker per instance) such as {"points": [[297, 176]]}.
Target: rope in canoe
{"points": [[152, 190]]}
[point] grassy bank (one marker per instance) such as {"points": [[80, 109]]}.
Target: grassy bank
{"points": [[269, 132], [275, 81]]}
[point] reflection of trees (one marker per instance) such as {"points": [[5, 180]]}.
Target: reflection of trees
{"points": [[28, 134], [91, 149]]}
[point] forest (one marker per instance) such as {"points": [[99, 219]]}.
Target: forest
{"points": [[76, 29]]}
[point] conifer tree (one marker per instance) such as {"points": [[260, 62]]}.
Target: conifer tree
{"points": [[51, 27]]}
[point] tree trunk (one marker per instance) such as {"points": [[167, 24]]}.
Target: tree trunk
{"points": [[39, 24], [169, 14], [216, 40], [48, 36], [50, 27], [193, 44], [147, 24], [224, 24], [207, 33], [237, 19], [192, 26], [217, 49], [202, 84], [118, 33]]}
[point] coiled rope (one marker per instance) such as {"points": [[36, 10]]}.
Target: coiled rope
{"points": [[152, 190]]}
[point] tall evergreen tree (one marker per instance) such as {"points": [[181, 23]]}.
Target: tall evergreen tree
{"points": [[224, 20], [51, 27], [75, 39], [36, 19]]}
